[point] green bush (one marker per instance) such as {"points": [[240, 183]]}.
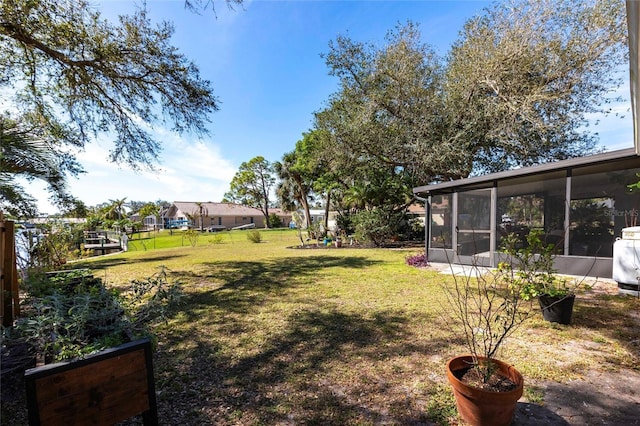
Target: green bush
{"points": [[71, 314], [254, 236], [192, 235], [74, 281], [376, 225], [216, 238], [275, 221]]}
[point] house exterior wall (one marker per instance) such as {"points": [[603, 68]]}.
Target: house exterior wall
{"points": [[218, 215]]}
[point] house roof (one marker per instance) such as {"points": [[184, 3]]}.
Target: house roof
{"points": [[607, 157], [222, 209], [415, 209], [279, 211], [216, 209]]}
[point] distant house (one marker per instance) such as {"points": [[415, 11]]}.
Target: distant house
{"points": [[216, 216], [153, 222], [416, 211], [317, 217]]}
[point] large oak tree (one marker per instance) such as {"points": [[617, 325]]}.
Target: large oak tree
{"points": [[516, 89], [67, 75]]}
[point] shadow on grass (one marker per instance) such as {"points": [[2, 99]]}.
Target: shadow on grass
{"points": [[319, 366], [241, 286], [108, 261], [322, 369], [613, 316]]}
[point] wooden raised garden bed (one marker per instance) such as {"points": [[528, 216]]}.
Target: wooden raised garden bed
{"points": [[102, 389]]}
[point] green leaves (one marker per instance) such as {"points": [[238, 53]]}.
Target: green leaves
{"points": [[76, 75], [525, 75], [252, 185], [515, 90]]}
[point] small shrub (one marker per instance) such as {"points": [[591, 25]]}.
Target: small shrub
{"points": [[254, 236], [376, 225], [275, 221], [216, 239], [417, 260], [149, 300], [192, 235]]}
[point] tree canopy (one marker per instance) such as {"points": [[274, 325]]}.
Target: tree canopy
{"points": [[516, 89], [27, 151], [252, 184], [523, 78], [67, 75]]}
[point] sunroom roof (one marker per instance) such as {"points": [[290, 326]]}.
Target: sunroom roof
{"points": [[488, 180]]}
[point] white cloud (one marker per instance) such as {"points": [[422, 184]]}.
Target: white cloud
{"points": [[188, 171]]}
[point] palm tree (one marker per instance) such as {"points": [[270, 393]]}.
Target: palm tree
{"points": [[116, 208], [292, 187], [26, 152], [202, 211]]}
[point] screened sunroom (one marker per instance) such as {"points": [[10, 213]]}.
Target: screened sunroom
{"points": [[580, 205]]}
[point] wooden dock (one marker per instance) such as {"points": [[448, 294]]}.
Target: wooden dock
{"points": [[103, 241]]}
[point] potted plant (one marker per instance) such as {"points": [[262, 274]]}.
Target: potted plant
{"points": [[488, 308], [531, 269]]}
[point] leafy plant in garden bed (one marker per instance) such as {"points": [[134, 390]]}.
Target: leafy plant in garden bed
{"points": [[40, 284], [68, 320]]}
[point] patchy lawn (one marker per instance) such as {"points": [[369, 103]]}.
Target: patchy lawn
{"points": [[270, 335]]}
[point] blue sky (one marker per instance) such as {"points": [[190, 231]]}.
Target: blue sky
{"points": [[264, 62]]}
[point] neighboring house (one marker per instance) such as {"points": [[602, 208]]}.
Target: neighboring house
{"points": [[209, 215], [416, 211], [151, 222], [317, 216]]}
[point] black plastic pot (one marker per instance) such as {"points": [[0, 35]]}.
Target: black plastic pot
{"points": [[557, 309]]}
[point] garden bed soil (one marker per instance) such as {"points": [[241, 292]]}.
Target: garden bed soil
{"points": [[496, 383]]}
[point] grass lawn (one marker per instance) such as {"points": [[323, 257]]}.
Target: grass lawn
{"points": [[270, 335]]}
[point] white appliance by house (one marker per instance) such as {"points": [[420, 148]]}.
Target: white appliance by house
{"points": [[626, 261]]}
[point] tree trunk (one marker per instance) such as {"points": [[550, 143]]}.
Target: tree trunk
{"points": [[307, 212], [326, 212]]}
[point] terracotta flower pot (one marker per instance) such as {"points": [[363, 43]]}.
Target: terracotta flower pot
{"points": [[479, 407]]}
